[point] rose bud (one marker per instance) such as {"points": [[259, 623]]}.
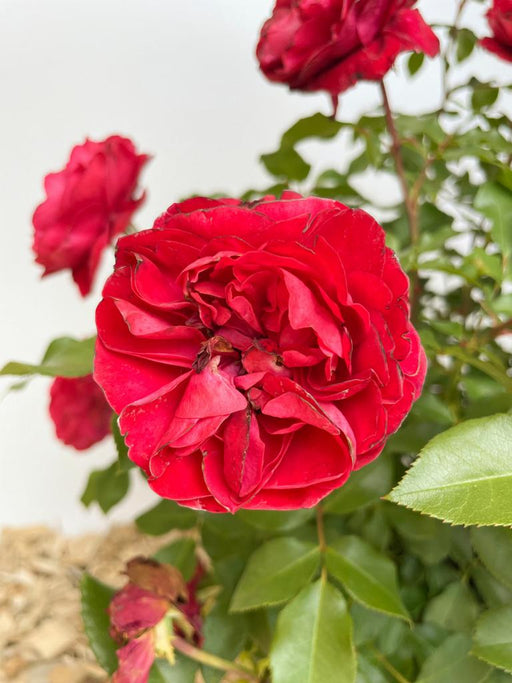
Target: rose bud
{"points": [[87, 204], [331, 45], [257, 353], [79, 411], [500, 21]]}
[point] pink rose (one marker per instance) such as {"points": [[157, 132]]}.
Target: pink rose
{"points": [[257, 353], [331, 44], [79, 411], [500, 21], [87, 204]]}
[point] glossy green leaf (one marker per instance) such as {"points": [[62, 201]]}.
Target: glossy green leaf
{"points": [[181, 554], [492, 640], [455, 609], [96, 597], [275, 520], [494, 548], [64, 357], [493, 592], [313, 639], [106, 487], [164, 517], [363, 487], [464, 475], [369, 576], [466, 41], [425, 537], [452, 663], [495, 202], [275, 573]]}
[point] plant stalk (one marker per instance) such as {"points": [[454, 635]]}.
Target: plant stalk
{"points": [[208, 659]]}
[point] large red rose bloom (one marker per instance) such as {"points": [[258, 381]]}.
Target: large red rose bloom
{"points": [[257, 353], [331, 44], [500, 21], [87, 204]]}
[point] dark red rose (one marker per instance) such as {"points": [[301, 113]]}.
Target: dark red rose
{"points": [[500, 21], [87, 204], [331, 44], [257, 353], [79, 411]]}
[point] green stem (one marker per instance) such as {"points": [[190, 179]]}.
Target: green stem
{"points": [[211, 660]]}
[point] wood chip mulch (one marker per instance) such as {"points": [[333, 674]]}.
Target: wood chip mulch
{"points": [[41, 635]]}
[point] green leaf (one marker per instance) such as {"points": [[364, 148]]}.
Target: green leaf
{"points": [[275, 573], [166, 516], [455, 609], [96, 597], [464, 475], [363, 487], [369, 576], [415, 62], [181, 554], [106, 487], [493, 592], [494, 548], [224, 636], [492, 640], [123, 460], [495, 202], [452, 663], [466, 41], [425, 537], [313, 639], [316, 126], [484, 95], [275, 520], [287, 163], [183, 671], [64, 357]]}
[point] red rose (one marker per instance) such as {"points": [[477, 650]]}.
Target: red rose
{"points": [[331, 44], [79, 411], [500, 21], [88, 203], [257, 353]]}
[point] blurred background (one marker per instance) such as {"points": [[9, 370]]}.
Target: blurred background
{"points": [[182, 81]]}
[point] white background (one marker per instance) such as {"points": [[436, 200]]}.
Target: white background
{"points": [[181, 80]]}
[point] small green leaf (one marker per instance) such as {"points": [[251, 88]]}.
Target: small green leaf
{"points": [[425, 537], [415, 62], [455, 609], [493, 592], [492, 640], [275, 520], [123, 460], [64, 357], [369, 576], [463, 475], [313, 639], [363, 487], [494, 548], [466, 41], [452, 663], [316, 126], [224, 636], [96, 597], [287, 163], [495, 202], [484, 95], [181, 554], [106, 487], [166, 516], [275, 573]]}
